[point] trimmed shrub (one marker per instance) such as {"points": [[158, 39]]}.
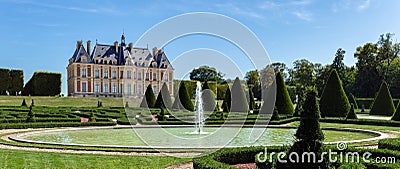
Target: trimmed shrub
{"points": [[4, 81], [184, 98], [383, 103], [92, 117], [351, 114], [275, 115], [43, 84], [309, 128], [23, 104], [31, 115], [334, 102], [163, 98], [353, 100], [396, 115], [309, 133], [99, 104], [238, 100], [226, 104], [283, 102], [390, 143], [251, 97], [149, 99], [209, 101], [177, 103], [16, 83]]}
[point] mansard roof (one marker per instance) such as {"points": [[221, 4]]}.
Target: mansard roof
{"points": [[141, 57], [79, 52]]}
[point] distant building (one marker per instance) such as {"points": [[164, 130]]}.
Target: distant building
{"points": [[116, 70]]}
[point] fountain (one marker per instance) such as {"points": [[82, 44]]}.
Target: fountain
{"points": [[199, 113]]}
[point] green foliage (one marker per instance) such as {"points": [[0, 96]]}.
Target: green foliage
{"points": [[251, 97], [163, 98], [99, 104], [390, 143], [275, 115], [126, 105], [206, 73], [334, 102], [23, 104], [161, 115], [205, 86], [92, 117], [43, 84], [149, 99], [383, 103], [239, 101], [283, 102], [31, 115], [11, 81], [309, 129], [351, 114], [396, 115], [217, 108], [52, 125], [16, 81], [184, 98], [209, 101], [32, 103], [226, 104], [352, 100]]}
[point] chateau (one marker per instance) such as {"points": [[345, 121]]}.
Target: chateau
{"points": [[117, 70]]}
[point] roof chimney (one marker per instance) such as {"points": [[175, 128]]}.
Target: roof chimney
{"points": [[78, 44], [88, 46], [130, 45], [154, 51], [116, 46]]}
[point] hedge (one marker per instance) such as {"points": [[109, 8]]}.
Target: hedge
{"points": [[362, 121], [283, 102], [223, 157], [22, 120], [43, 84], [391, 144], [52, 125], [11, 81]]}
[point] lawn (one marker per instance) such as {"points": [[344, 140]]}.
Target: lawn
{"points": [[30, 159]]}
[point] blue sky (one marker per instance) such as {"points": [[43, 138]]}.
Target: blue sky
{"points": [[41, 35]]}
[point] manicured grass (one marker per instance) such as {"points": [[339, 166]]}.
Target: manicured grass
{"points": [[30, 159], [62, 101]]}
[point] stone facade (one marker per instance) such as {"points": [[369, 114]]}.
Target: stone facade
{"points": [[117, 70]]}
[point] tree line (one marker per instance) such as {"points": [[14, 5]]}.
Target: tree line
{"points": [[376, 62]]}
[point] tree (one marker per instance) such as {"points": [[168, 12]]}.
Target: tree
{"points": [[226, 104], [387, 51], [368, 77], [251, 99], [396, 115], [206, 73], [31, 115], [303, 73], [392, 76], [338, 62], [163, 98], [351, 114], [283, 102], [239, 101], [383, 102], [4, 81], [280, 67], [252, 81], [205, 86], [184, 97], [334, 102], [149, 99]]}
